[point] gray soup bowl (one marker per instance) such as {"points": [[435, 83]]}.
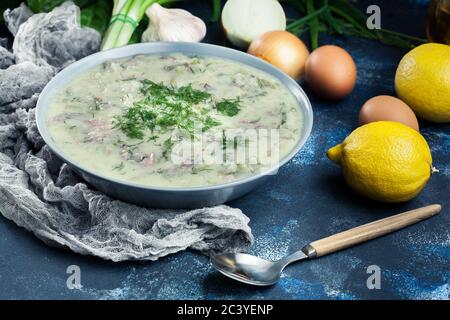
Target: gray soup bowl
{"points": [[169, 197]]}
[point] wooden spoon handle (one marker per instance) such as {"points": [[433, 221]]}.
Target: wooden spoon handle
{"points": [[369, 231]]}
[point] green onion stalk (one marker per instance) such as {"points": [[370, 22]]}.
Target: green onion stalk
{"points": [[126, 16], [343, 18]]}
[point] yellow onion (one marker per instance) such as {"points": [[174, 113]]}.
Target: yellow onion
{"points": [[282, 49], [245, 20]]}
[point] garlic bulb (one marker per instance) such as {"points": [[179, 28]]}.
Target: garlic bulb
{"points": [[173, 25]]}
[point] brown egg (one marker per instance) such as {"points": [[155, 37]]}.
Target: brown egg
{"points": [[331, 72], [387, 108]]}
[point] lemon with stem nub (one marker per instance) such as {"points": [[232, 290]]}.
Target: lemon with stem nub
{"points": [[385, 161]]}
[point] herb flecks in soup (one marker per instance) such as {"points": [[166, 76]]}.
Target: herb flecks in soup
{"points": [[175, 120], [164, 107]]}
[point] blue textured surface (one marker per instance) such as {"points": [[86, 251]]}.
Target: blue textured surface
{"points": [[307, 200]]}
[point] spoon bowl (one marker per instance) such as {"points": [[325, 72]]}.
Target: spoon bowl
{"points": [[248, 269]]}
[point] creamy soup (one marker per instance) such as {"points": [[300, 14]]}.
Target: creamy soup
{"points": [[175, 120]]}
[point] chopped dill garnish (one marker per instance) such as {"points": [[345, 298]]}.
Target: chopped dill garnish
{"points": [[119, 167], [263, 83], [163, 107], [135, 120], [192, 96], [162, 93], [229, 107], [209, 123], [283, 117], [152, 138], [224, 139], [167, 147], [128, 79]]}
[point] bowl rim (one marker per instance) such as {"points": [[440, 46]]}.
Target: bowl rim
{"points": [[153, 48]]}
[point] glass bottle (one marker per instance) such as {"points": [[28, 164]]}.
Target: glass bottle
{"points": [[438, 29]]}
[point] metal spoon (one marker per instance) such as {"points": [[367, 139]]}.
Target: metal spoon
{"points": [[256, 271]]}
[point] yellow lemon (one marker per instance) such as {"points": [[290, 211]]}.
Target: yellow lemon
{"points": [[422, 81], [386, 161]]}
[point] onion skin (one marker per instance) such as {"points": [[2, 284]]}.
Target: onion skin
{"points": [[283, 50]]}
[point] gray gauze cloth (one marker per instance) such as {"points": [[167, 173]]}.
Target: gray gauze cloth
{"points": [[43, 195]]}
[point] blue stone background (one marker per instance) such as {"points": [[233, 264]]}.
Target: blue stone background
{"points": [[307, 200]]}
